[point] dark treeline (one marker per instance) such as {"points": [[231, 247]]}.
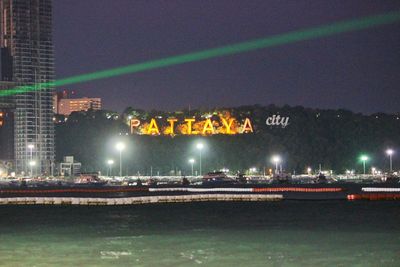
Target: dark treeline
{"points": [[333, 138]]}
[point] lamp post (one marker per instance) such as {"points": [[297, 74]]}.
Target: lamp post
{"points": [[390, 153], [110, 162], [191, 161], [200, 147], [120, 146], [31, 146], [31, 164], [276, 160], [309, 170], [364, 159]]}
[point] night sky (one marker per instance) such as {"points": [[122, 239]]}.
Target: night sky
{"points": [[359, 71]]}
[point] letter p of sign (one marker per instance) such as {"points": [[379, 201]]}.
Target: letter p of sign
{"points": [[134, 124]]}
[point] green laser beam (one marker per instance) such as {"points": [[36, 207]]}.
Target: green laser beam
{"points": [[276, 40]]}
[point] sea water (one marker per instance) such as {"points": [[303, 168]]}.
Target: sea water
{"points": [[286, 233]]}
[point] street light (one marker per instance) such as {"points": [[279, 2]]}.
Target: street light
{"points": [[309, 170], [276, 159], [110, 162], [120, 146], [364, 159], [200, 147], [31, 146], [32, 163], [191, 161], [390, 153]]}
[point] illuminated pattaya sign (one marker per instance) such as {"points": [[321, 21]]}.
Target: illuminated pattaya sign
{"points": [[191, 126]]}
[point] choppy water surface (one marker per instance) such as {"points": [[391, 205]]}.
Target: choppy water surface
{"points": [[208, 234]]}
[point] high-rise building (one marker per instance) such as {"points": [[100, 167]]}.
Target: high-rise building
{"points": [[27, 58], [7, 110]]}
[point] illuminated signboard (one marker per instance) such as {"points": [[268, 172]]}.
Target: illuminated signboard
{"points": [[277, 120], [191, 126]]}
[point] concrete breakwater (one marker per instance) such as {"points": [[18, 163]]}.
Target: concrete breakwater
{"points": [[137, 200], [130, 195]]}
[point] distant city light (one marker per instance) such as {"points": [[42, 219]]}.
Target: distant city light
{"points": [[253, 170], [276, 159]]}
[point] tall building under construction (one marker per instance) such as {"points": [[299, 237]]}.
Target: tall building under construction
{"points": [[27, 58]]}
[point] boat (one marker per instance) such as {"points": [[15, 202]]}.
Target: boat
{"points": [[392, 179], [217, 179], [282, 178], [89, 179], [321, 178]]}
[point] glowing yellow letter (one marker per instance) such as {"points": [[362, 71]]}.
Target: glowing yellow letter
{"points": [[228, 125], [134, 124], [189, 125], [208, 127], [171, 125], [153, 128], [247, 128]]}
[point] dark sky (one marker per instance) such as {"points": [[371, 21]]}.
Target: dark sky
{"points": [[359, 71]]}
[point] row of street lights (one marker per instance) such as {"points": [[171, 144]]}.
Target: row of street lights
{"points": [[364, 158], [121, 146], [389, 153], [276, 159]]}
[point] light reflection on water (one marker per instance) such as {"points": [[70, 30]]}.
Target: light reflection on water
{"points": [[208, 234]]}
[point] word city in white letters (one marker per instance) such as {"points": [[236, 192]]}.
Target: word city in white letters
{"points": [[277, 120]]}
